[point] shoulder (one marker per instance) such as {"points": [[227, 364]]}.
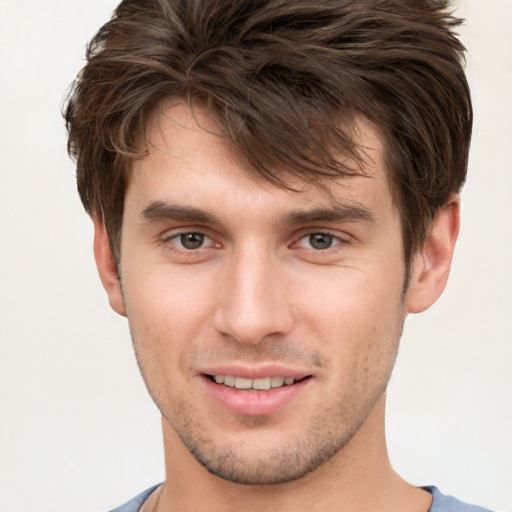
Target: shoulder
{"points": [[442, 503], [134, 504]]}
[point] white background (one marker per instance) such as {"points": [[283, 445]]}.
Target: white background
{"points": [[77, 429]]}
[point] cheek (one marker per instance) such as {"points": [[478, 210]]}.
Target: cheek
{"points": [[357, 317], [166, 310], [165, 317], [352, 296]]}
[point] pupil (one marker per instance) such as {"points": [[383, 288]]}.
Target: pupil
{"points": [[320, 240], [192, 240]]}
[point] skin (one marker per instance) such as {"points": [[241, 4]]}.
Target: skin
{"points": [[256, 292]]}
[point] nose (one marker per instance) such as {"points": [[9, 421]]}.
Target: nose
{"points": [[253, 303]]}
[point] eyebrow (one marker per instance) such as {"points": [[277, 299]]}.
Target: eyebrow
{"points": [[337, 213], [160, 210]]}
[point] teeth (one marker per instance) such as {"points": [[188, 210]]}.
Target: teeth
{"points": [[241, 383], [262, 384], [229, 381], [277, 382]]}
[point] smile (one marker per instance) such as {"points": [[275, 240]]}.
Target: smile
{"points": [[255, 396], [255, 384]]}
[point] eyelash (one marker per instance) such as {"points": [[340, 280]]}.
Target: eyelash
{"points": [[180, 236], [176, 240], [332, 238]]}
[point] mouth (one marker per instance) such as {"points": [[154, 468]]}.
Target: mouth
{"points": [[256, 392], [260, 384]]}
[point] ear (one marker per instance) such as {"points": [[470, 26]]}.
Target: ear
{"points": [[107, 267], [431, 266]]}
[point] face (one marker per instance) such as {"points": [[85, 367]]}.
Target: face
{"points": [[265, 321]]}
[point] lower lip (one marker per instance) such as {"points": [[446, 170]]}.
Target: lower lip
{"points": [[254, 403]]}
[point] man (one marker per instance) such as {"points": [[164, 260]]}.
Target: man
{"points": [[273, 186]]}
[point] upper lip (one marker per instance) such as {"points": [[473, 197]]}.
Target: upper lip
{"points": [[256, 372]]}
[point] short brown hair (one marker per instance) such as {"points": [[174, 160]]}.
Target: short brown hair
{"points": [[284, 79]]}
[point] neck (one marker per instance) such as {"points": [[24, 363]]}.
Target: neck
{"points": [[358, 477]]}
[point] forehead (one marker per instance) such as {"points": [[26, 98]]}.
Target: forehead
{"points": [[188, 154]]}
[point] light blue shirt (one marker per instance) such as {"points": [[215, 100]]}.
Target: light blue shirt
{"points": [[440, 502]]}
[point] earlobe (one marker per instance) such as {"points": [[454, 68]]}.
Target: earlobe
{"points": [[107, 267], [431, 266]]}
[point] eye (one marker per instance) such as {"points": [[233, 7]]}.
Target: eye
{"points": [[319, 241], [190, 241]]}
